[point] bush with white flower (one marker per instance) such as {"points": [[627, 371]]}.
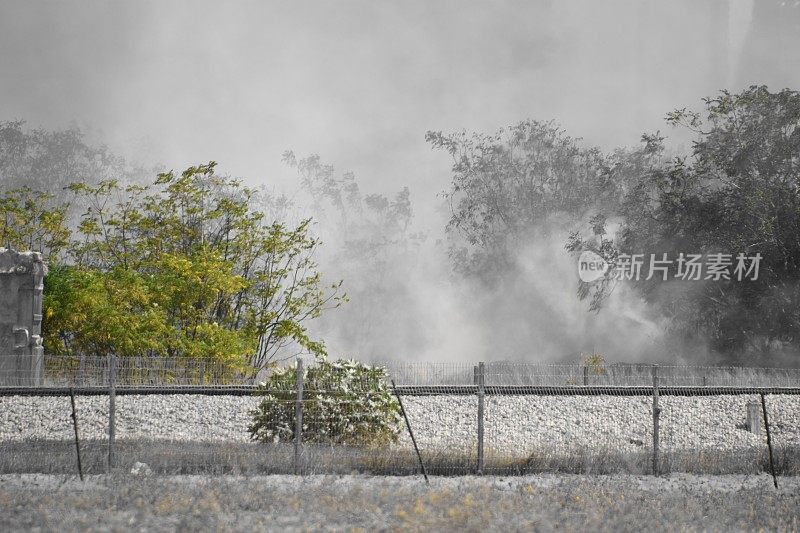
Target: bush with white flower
{"points": [[344, 402]]}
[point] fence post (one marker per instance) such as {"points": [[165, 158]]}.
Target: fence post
{"points": [[480, 378], [656, 413], [585, 375], [112, 409], [753, 419], [410, 432], [769, 441], [75, 427], [298, 417]]}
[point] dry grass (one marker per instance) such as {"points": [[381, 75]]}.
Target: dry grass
{"points": [[360, 503], [221, 458]]}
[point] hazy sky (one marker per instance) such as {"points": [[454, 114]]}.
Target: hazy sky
{"points": [[360, 82]]}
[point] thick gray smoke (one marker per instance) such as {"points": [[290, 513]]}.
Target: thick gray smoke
{"points": [[411, 304], [360, 82]]}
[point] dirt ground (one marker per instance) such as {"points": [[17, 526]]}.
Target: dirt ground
{"points": [[350, 503]]}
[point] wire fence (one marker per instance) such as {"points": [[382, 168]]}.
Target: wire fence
{"points": [[93, 371], [178, 416]]}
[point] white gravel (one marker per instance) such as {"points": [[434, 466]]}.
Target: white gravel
{"points": [[514, 424], [518, 424]]}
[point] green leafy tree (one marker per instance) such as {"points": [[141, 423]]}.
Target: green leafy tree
{"points": [[184, 268], [345, 402], [30, 221]]}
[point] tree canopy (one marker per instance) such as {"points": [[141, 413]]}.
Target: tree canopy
{"points": [[507, 184], [47, 161], [182, 267], [373, 244], [736, 192]]}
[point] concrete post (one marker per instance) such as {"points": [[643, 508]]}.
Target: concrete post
{"points": [[481, 382], [754, 417], [21, 285], [112, 409], [298, 418], [656, 413]]}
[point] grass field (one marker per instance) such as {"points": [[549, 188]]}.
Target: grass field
{"points": [[234, 458], [353, 503]]}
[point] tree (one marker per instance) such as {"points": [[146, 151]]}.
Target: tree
{"points": [[48, 161], [507, 184], [738, 192], [29, 220], [373, 246], [184, 268], [36, 166]]}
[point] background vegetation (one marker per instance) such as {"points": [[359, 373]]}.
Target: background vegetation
{"points": [[184, 267], [738, 191], [196, 264]]}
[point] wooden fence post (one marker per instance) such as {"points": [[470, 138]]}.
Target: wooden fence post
{"points": [[480, 382], [656, 413], [298, 417], [112, 409]]}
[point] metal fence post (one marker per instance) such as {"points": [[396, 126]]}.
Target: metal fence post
{"points": [[75, 427], [480, 382], [298, 417], [769, 441], [112, 409], [410, 432], [656, 413], [585, 375]]}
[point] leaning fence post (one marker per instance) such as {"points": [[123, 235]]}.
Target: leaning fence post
{"points": [[769, 440], [75, 426], [112, 409], [656, 413], [298, 417], [410, 432], [480, 382]]}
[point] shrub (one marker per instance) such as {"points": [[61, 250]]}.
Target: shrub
{"points": [[596, 363], [344, 402]]}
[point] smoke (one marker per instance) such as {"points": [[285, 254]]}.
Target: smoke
{"points": [[360, 82], [185, 82], [408, 302]]}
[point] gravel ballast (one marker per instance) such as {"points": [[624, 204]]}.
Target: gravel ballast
{"points": [[514, 425]]}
